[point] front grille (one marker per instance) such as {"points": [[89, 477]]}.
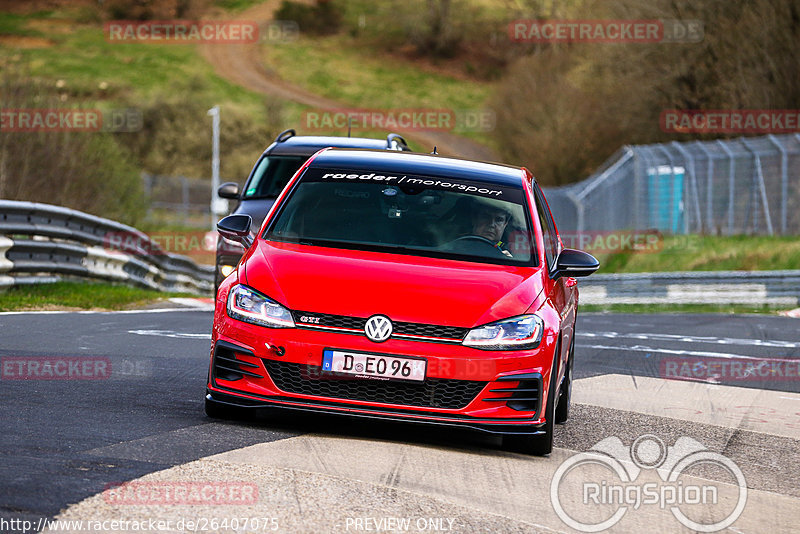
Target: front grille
{"points": [[430, 330], [325, 319], [310, 320], [431, 393]]}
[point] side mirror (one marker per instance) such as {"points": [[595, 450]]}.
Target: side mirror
{"points": [[236, 228], [229, 190], [575, 263]]}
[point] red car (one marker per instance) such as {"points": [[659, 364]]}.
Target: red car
{"points": [[402, 286]]}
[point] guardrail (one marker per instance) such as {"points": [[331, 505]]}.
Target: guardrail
{"points": [[42, 243], [775, 288]]}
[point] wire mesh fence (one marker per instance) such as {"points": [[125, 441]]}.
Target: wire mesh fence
{"points": [[178, 200], [728, 187]]}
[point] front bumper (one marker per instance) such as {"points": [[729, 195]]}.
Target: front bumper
{"points": [[254, 367], [250, 402]]}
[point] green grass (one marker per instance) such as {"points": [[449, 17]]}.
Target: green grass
{"points": [[68, 58], [14, 24], [79, 295], [341, 68], [680, 308], [83, 59], [236, 5], [708, 253]]}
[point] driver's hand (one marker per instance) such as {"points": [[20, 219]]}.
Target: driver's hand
{"points": [[507, 253]]}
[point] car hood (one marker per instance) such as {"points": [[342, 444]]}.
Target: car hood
{"points": [[405, 288]]}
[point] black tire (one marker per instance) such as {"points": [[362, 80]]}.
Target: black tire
{"points": [[565, 392], [540, 444]]}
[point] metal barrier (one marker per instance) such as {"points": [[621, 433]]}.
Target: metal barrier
{"points": [[773, 288], [735, 186], [40, 243]]}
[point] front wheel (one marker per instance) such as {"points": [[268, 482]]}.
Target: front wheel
{"points": [[539, 444]]}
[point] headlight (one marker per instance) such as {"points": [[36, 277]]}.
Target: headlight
{"points": [[225, 270], [252, 307], [518, 333]]}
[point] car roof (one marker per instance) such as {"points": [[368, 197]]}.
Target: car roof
{"points": [[418, 164], [309, 144]]}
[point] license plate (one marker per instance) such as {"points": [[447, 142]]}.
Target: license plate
{"points": [[373, 366]]}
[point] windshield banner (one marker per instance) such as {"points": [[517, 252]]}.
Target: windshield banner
{"points": [[411, 182]]}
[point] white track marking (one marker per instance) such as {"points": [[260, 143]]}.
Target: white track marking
{"points": [[169, 333], [693, 339], [702, 353]]}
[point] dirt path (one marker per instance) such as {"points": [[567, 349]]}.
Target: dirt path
{"points": [[242, 65]]}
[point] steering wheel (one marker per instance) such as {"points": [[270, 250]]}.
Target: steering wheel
{"points": [[472, 243]]}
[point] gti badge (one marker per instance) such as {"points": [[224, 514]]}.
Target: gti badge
{"points": [[378, 328]]}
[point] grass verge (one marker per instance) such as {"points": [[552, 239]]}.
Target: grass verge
{"points": [[708, 253], [340, 68], [80, 296]]}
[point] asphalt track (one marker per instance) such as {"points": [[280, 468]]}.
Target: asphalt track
{"points": [[65, 441]]}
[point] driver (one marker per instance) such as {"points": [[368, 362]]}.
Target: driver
{"points": [[489, 222]]}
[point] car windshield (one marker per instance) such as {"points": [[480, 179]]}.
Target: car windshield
{"points": [[440, 217], [271, 176]]}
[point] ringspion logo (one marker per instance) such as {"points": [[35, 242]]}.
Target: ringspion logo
{"points": [[611, 480]]}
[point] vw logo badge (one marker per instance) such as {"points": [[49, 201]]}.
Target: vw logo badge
{"points": [[378, 328]]}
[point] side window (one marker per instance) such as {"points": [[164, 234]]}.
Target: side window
{"points": [[548, 231]]}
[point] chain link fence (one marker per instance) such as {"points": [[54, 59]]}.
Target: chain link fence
{"points": [[728, 187], [178, 200]]}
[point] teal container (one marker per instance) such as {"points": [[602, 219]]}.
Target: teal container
{"points": [[665, 191]]}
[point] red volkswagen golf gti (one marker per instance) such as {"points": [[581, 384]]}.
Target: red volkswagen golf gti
{"points": [[402, 286]]}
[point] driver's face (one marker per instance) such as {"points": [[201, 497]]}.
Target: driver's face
{"points": [[489, 223]]}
